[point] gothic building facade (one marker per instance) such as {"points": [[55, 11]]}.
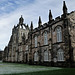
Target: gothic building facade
{"points": [[51, 43]]}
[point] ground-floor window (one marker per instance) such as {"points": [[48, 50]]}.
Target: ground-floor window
{"points": [[60, 55], [46, 56], [36, 56]]}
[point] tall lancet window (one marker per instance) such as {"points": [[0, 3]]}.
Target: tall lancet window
{"points": [[46, 56], [35, 56], [59, 34], [35, 41], [45, 38], [60, 55]]}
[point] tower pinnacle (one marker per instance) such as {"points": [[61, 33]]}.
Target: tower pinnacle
{"points": [[39, 22], [64, 8], [31, 26], [50, 16]]}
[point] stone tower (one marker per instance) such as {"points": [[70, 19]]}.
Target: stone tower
{"points": [[19, 35]]}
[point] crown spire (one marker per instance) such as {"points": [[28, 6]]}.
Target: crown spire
{"points": [[21, 20]]}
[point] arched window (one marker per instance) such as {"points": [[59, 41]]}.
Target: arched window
{"points": [[46, 56], [60, 55], [35, 41], [35, 56], [59, 34], [45, 38]]}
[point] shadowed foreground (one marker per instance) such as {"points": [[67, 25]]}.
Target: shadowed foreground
{"points": [[14, 68], [67, 71], [23, 69]]}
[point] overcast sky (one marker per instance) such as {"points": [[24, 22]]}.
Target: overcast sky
{"points": [[11, 10]]}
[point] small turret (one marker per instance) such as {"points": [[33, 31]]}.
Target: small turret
{"points": [[39, 22], [50, 16]]}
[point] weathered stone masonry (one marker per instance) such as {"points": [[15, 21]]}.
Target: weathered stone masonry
{"points": [[51, 43]]}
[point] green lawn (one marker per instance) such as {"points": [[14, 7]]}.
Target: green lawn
{"points": [[23, 69], [66, 71]]}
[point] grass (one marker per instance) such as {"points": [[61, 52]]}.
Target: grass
{"points": [[24, 69], [14, 68], [64, 71]]}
